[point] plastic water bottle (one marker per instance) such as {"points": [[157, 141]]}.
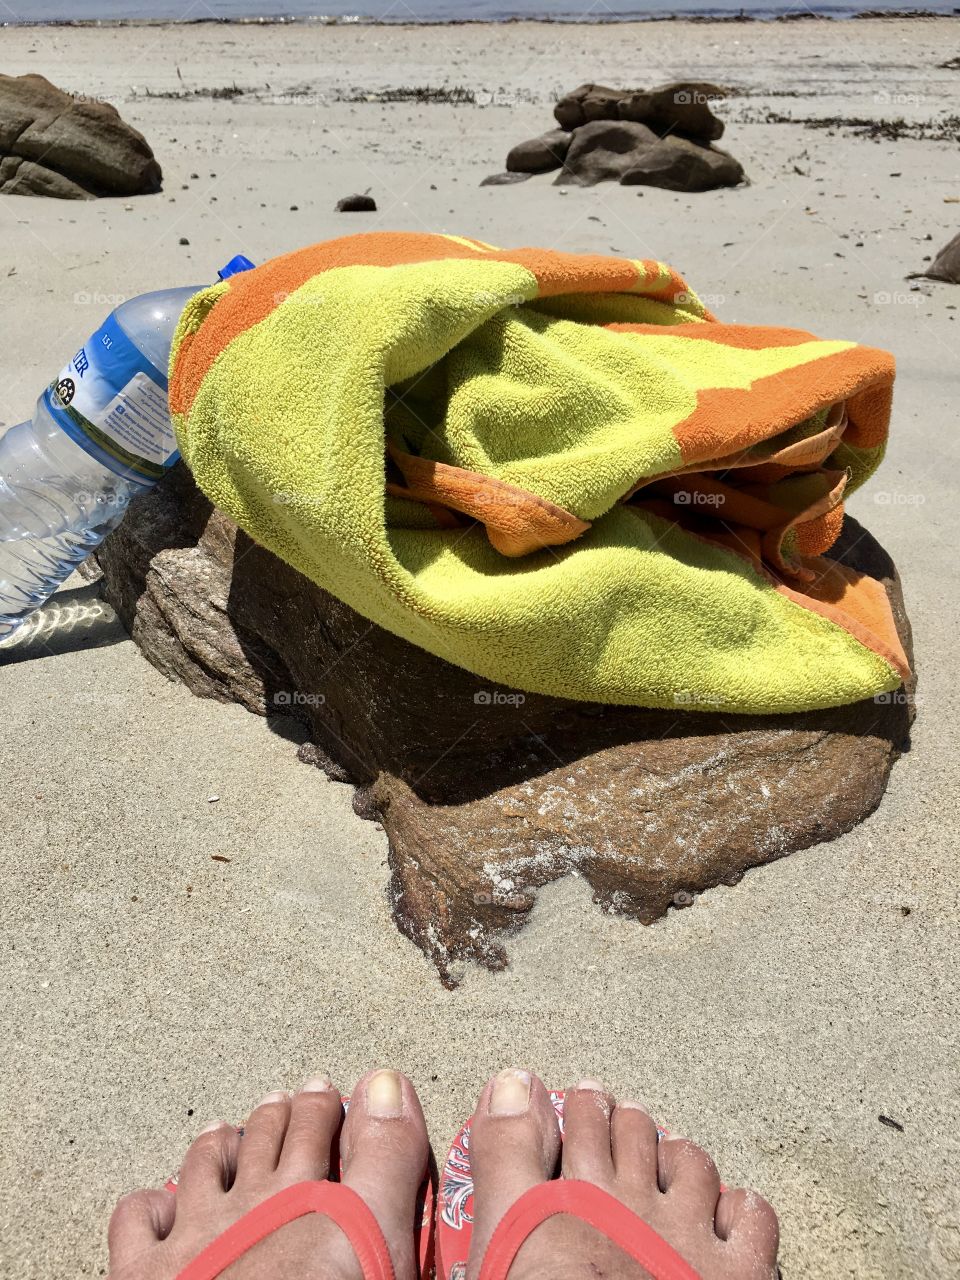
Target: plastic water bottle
{"points": [[100, 434]]}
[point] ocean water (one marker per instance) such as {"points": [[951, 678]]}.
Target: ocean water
{"points": [[28, 11]]}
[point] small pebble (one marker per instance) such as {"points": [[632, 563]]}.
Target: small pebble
{"points": [[357, 204], [184, 240]]}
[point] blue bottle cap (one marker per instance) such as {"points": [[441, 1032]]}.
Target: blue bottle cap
{"points": [[235, 266]]}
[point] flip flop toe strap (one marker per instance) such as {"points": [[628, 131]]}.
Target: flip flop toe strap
{"points": [[592, 1205], [338, 1203]]}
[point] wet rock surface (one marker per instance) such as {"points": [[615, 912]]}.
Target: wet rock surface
{"points": [[487, 794]]}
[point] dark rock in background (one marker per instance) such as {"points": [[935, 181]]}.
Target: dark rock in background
{"points": [[658, 137], [587, 102], [946, 265], [605, 149], [682, 107], [540, 155], [504, 179], [487, 795], [681, 165], [357, 204]]}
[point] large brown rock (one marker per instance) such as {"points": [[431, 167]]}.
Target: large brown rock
{"points": [[54, 144], [605, 149], [487, 794], [588, 102], [27, 178], [682, 106], [633, 154], [681, 165], [540, 155]]}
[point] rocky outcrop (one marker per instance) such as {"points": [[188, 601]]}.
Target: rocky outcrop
{"points": [[656, 137], [486, 793], [54, 144], [683, 106]]}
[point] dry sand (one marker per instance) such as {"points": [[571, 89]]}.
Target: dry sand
{"points": [[149, 989]]}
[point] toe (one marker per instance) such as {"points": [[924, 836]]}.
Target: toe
{"points": [[210, 1165], [749, 1225], [139, 1222], [587, 1153], [514, 1135], [514, 1145], [385, 1151], [262, 1142], [384, 1125], [315, 1116], [688, 1176], [633, 1137]]}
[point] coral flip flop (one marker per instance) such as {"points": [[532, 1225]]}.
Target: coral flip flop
{"points": [[335, 1201], [580, 1200]]}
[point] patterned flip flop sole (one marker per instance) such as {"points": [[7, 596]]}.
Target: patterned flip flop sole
{"points": [[455, 1200]]}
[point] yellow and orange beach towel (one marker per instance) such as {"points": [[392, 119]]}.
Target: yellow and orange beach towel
{"points": [[558, 471]]}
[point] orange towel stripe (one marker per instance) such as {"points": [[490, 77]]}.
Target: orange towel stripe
{"points": [[559, 273], [254, 294], [746, 337], [730, 418], [858, 604]]}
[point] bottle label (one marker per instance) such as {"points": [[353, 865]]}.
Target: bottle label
{"points": [[113, 403]]}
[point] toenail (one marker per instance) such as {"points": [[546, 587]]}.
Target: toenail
{"points": [[630, 1105], [511, 1093], [317, 1084], [278, 1095], [384, 1096], [594, 1086], [212, 1128]]}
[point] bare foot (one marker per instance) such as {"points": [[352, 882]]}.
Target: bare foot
{"points": [[673, 1185], [154, 1234]]}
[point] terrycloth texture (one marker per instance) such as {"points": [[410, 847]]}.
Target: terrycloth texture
{"points": [[558, 471]]}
